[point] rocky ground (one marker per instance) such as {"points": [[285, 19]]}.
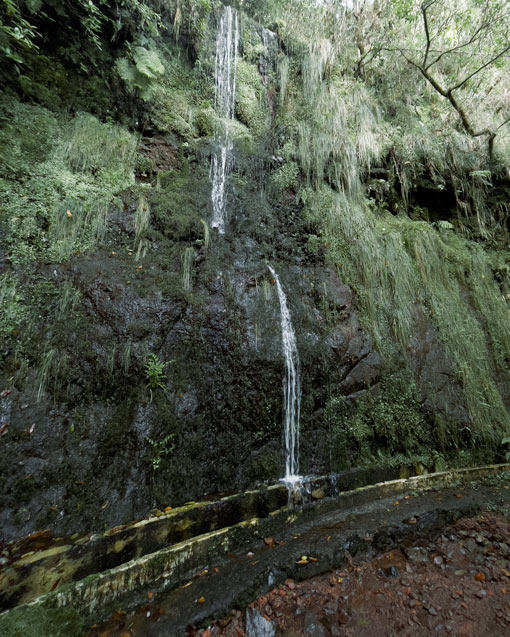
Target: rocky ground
{"points": [[457, 585]]}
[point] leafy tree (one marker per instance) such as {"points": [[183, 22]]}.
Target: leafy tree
{"points": [[461, 48]]}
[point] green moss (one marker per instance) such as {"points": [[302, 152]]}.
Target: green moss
{"points": [[34, 621], [177, 206], [251, 107], [66, 173], [286, 176], [384, 422]]}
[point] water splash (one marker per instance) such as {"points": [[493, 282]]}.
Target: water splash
{"points": [[227, 41], [291, 392]]}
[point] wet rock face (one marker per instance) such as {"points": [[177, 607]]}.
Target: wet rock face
{"points": [[106, 447]]}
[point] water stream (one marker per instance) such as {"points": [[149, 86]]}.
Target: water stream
{"points": [[291, 390], [227, 41]]}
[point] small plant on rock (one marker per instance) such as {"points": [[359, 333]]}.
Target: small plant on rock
{"points": [[154, 369], [161, 448]]}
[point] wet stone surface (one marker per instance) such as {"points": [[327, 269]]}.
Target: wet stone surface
{"points": [[433, 563]]}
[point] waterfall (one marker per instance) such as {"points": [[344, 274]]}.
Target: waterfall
{"points": [[227, 41], [291, 388], [269, 47]]}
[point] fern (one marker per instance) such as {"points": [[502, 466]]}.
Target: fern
{"points": [[148, 63], [140, 75]]}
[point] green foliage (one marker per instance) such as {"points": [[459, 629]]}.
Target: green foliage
{"points": [[387, 420], [161, 448], [251, 108], [176, 206], [14, 312], [154, 370], [57, 178], [286, 176], [141, 73]]}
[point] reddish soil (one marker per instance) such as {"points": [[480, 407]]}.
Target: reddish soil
{"points": [[459, 585]]}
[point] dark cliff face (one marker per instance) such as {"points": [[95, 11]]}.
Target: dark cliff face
{"points": [[86, 441], [79, 457], [87, 461]]}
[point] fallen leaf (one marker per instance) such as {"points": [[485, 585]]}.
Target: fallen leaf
{"points": [[340, 580], [329, 538], [480, 577], [202, 573], [187, 584], [167, 509], [68, 213], [268, 541], [118, 614], [313, 559], [3, 428], [150, 595], [55, 584], [105, 505], [200, 600]]}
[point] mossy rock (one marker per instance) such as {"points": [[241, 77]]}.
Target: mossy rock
{"points": [[181, 203], [36, 621], [251, 108]]}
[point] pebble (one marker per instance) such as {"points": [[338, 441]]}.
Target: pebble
{"points": [[417, 554]]}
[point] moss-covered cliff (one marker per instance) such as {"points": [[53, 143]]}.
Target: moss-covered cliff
{"points": [[389, 234]]}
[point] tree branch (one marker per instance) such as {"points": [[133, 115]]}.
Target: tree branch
{"points": [[481, 68]]}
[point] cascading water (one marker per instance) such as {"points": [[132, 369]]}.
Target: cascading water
{"points": [[291, 389], [269, 48], [227, 41]]}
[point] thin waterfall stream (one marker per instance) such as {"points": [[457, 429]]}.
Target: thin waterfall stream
{"points": [[291, 390], [227, 42]]}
